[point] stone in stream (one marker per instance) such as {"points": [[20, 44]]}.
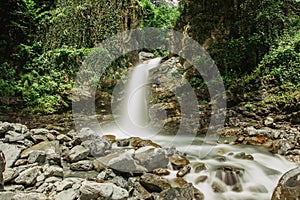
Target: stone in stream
{"points": [[198, 167], [137, 142], [154, 183], [183, 171], [201, 179], [288, 186], [178, 161], [161, 171]]}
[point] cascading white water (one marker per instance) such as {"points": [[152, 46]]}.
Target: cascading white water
{"points": [[259, 176]]}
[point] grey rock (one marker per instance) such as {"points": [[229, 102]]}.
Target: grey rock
{"points": [[69, 194], [4, 127], [154, 183], [218, 187], [30, 196], [7, 195], [288, 186], [53, 158], [20, 128], [9, 174], [68, 183], [97, 146], [106, 174], [151, 158], [53, 171], [122, 161], [28, 176], [43, 146], [183, 193], [269, 121], [90, 190], [78, 153], [11, 153], [63, 138], [39, 131], [37, 156], [82, 165], [12, 136]]}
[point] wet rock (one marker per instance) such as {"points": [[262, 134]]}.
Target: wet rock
{"points": [[139, 192], [229, 175], [11, 153], [183, 193], [90, 190], [218, 187], [178, 161], [288, 186], [137, 142], [154, 183], [151, 158], [28, 176], [30, 196], [110, 138], [161, 171], [237, 187], [123, 142], [201, 179], [78, 153], [183, 171], [198, 167], [82, 165]]}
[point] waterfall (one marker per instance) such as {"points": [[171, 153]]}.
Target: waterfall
{"points": [[229, 176]]}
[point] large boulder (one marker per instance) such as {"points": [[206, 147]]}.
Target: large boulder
{"points": [[151, 158], [288, 186]]}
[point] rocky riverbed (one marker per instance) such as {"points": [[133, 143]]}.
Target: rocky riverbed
{"points": [[48, 164]]}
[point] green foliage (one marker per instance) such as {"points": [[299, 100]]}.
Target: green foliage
{"points": [[159, 17], [47, 81]]}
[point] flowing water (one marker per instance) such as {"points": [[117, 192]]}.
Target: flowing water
{"points": [[228, 176]]}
